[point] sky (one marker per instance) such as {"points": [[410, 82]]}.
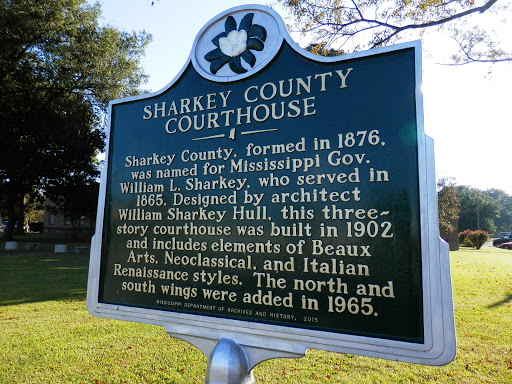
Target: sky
{"points": [[467, 110]]}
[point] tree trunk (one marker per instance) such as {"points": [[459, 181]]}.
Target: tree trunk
{"points": [[19, 207], [11, 215]]}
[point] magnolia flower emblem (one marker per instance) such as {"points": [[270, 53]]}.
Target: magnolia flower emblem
{"points": [[235, 44]]}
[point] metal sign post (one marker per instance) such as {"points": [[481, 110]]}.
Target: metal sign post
{"points": [[228, 364], [269, 200]]}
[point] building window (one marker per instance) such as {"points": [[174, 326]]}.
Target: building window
{"points": [[51, 220], [67, 221]]}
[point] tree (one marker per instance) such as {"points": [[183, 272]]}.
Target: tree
{"points": [[504, 220], [354, 25], [33, 205], [58, 69], [477, 209], [448, 205], [321, 50]]}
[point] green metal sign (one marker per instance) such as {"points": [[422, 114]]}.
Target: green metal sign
{"points": [[269, 188]]}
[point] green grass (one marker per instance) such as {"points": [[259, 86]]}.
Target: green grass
{"points": [[47, 335]]}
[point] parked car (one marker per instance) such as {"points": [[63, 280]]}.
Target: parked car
{"points": [[36, 226], [505, 238], [4, 224], [506, 245]]}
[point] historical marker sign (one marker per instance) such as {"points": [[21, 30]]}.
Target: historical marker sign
{"points": [[270, 193]]}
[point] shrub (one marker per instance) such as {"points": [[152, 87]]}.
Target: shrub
{"points": [[463, 236], [478, 238], [475, 239], [467, 243]]}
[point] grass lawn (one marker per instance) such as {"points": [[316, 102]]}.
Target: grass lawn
{"points": [[47, 335]]}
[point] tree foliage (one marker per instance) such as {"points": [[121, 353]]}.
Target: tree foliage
{"points": [[354, 25], [321, 50], [504, 220], [59, 69], [448, 205], [477, 209], [33, 209]]}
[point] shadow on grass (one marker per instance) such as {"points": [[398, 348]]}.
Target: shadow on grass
{"points": [[36, 277], [507, 299]]}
